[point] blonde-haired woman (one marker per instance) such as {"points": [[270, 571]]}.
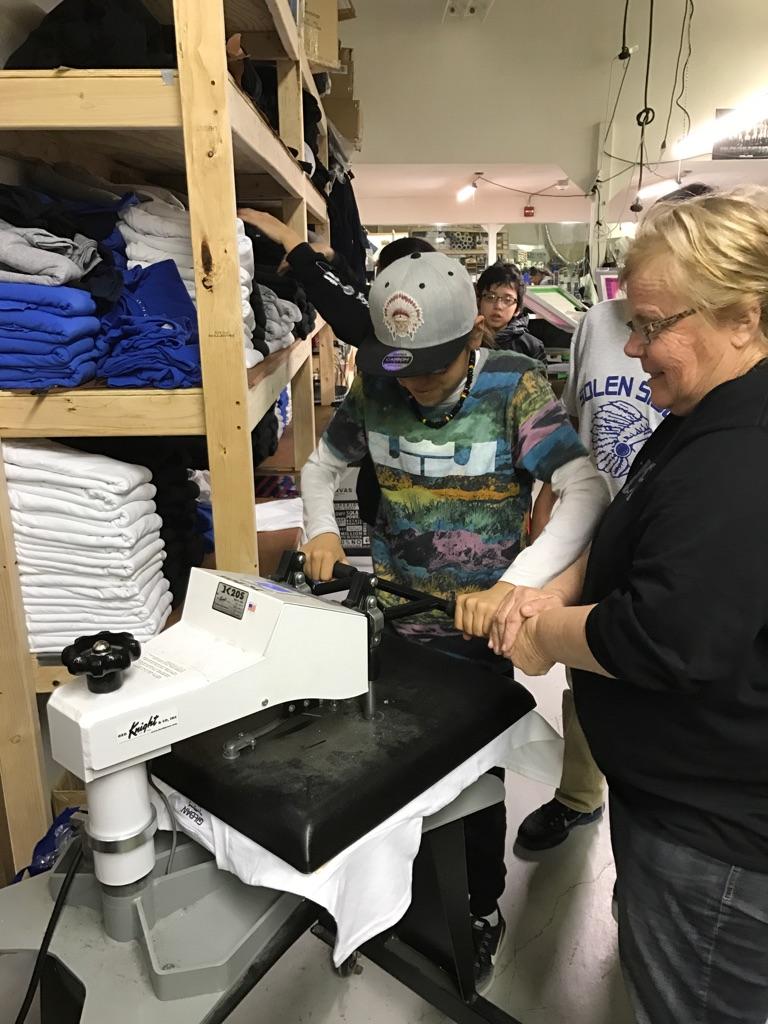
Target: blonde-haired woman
{"points": [[665, 624]]}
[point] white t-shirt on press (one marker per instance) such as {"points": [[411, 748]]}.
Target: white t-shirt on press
{"points": [[608, 392]]}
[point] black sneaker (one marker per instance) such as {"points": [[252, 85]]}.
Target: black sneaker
{"points": [[551, 825], [488, 940]]}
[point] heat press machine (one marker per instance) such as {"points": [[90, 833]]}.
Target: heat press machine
{"points": [[302, 723]]}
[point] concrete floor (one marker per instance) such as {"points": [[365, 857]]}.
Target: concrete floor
{"points": [[559, 964]]}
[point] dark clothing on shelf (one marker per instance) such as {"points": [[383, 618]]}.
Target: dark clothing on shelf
{"points": [[677, 571], [348, 237], [97, 34]]}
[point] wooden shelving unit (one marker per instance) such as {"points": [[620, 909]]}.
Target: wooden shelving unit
{"points": [[194, 128]]}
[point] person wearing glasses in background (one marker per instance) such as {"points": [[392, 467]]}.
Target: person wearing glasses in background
{"points": [[665, 624], [500, 295]]}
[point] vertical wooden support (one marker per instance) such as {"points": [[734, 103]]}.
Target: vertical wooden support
{"points": [[302, 400], [203, 80], [290, 109], [24, 806], [327, 365]]}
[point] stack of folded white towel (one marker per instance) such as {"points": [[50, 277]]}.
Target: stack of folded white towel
{"points": [[156, 230], [282, 316], [88, 544]]}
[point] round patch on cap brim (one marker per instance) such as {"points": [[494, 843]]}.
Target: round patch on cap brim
{"points": [[400, 359]]}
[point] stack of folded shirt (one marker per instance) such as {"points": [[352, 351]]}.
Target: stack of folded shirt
{"points": [[285, 286], [87, 544], [275, 318], [150, 336], [48, 336], [168, 460], [156, 230]]}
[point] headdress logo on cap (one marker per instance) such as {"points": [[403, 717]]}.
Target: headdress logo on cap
{"points": [[402, 315]]}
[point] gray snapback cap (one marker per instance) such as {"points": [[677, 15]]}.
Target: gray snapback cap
{"points": [[423, 310]]}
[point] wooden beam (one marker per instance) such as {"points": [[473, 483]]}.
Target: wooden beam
{"points": [[303, 403], [327, 365], [262, 45], [111, 412], [24, 806], [267, 382], [208, 147], [89, 99], [257, 187], [290, 106]]}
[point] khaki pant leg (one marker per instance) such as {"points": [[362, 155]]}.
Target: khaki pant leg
{"points": [[581, 783]]}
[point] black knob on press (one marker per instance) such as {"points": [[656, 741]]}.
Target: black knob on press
{"points": [[102, 658]]}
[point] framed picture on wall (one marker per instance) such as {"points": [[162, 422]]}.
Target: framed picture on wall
{"points": [[751, 144]]}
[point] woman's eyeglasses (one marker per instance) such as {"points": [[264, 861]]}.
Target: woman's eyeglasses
{"points": [[505, 301], [650, 329]]}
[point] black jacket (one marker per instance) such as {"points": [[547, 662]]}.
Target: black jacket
{"points": [[516, 337], [341, 304], [679, 571]]}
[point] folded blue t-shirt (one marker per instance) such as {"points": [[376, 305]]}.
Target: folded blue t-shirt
{"points": [[57, 356], [80, 370], [154, 291], [53, 299], [37, 325]]}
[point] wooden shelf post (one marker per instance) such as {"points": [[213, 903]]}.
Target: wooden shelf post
{"points": [[203, 81], [24, 808]]}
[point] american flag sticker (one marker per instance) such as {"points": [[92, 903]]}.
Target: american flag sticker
{"points": [[251, 606]]}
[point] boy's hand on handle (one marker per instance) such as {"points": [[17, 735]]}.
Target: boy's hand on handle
{"points": [[322, 552], [475, 612]]}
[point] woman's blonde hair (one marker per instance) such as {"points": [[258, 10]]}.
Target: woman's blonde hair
{"points": [[717, 248]]}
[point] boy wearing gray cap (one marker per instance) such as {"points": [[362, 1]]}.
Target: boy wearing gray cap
{"points": [[457, 434]]}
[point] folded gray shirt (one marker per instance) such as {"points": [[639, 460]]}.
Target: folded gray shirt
{"points": [[35, 256]]}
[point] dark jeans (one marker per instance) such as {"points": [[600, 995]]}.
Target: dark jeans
{"points": [[693, 931], [485, 831]]}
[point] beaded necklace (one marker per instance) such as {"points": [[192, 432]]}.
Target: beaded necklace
{"points": [[442, 420]]}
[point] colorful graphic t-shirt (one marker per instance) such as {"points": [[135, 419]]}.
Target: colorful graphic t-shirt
{"points": [[454, 499]]}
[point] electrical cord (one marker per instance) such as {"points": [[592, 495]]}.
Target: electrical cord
{"points": [[624, 53], [42, 953], [665, 137], [618, 98], [171, 815], [530, 194], [647, 115], [684, 77]]}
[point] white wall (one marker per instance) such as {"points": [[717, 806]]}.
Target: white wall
{"points": [[458, 92], [529, 85]]}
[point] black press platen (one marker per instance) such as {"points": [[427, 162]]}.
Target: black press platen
{"points": [[102, 658]]}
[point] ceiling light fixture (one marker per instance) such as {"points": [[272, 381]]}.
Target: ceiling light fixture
{"points": [[468, 191], [743, 117]]}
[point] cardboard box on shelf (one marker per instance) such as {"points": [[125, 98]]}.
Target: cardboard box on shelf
{"points": [[343, 80], [346, 116], [69, 791], [321, 32]]}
